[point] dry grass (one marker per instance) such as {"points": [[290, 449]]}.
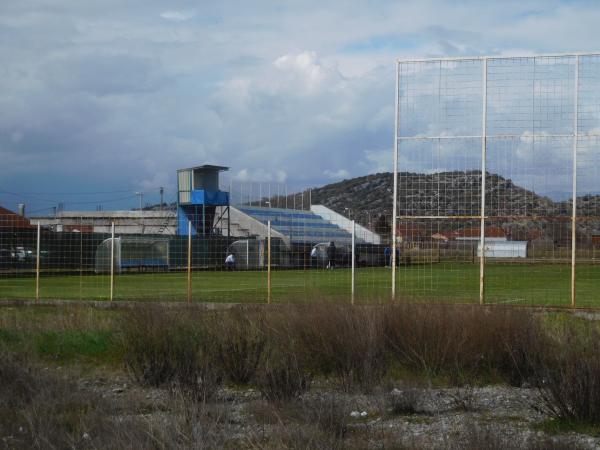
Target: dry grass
{"points": [[164, 348], [41, 410], [281, 351], [567, 372]]}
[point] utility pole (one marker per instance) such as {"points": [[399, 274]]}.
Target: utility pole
{"points": [[162, 194], [141, 196]]}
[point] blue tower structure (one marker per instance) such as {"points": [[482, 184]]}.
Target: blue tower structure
{"points": [[198, 197]]}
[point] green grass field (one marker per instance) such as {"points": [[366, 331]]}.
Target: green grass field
{"points": [[456, 282]]}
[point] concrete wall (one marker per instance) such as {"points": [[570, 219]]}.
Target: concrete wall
{"points": [[126, 222]]}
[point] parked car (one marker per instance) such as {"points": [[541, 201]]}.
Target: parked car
{"points": [[23, 254]]}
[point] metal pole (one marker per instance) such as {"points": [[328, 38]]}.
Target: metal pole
{"points": [[189, 263], [247, 253], [269, 262], [483, 171], [395, 194], [112, 260], [37, 265], [574, 211], [353, 261]]}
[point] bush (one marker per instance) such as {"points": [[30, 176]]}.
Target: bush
{"points": [[406, 401], [347, 343], [41, 410], [329, 413], [459, 341], [165, 348], [567, 372], [281, 377], [240, 340]]}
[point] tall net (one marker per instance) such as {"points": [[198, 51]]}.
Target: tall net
{"points": [[522, 132]]}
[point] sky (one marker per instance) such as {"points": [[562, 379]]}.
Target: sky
{"points": [[102, 99]]}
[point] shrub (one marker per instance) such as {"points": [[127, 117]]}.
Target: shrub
{"points": [[345, 342], [41, 410], [331, 414], [459, 341], [240, 339], [281, 378], [567, 372], [402, 402], [166, 348]]}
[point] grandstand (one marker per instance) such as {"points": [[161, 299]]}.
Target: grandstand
{"points": [[299, 226]]}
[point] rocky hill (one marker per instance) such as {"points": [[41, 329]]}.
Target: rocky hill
{"points": [[457, 193], [445, 193]]}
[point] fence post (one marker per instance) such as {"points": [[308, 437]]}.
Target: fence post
{"points": [[483, 173], [269, 262], [112, 260], [574, 211], [37, 265], [189, 263], [395, 193], [353, 261]]}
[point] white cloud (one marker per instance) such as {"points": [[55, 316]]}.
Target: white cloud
{"points": [[340, 173], [178, 16], [281, 93], [260, 175]]}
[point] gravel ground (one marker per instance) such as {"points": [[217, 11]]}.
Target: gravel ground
{"points": [[398, 417]]}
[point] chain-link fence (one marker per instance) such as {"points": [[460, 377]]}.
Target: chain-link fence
{"points": [[262, 254], [492, 154], [295, 256], [496, 200]]}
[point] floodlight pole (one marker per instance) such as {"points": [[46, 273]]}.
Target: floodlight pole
{"points": [[353, 261], [269, 261], [112, 260], [483, 173], [189, 263], [395, 194], [37, 265], [574, 208]]}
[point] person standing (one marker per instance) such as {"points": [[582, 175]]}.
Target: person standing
{"points": [[331, 255], [230, 262]]}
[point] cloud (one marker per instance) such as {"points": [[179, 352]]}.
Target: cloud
{"points": [[178, 16], [340, 173], [104, 74], [288, 93]]}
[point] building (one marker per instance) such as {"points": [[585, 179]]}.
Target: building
{"points": [[200, 202], [11, 221], [163, 222], [492, 233], [504, 249]]}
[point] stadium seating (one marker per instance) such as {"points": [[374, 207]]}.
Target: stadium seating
{"points": [[301, 226]]}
